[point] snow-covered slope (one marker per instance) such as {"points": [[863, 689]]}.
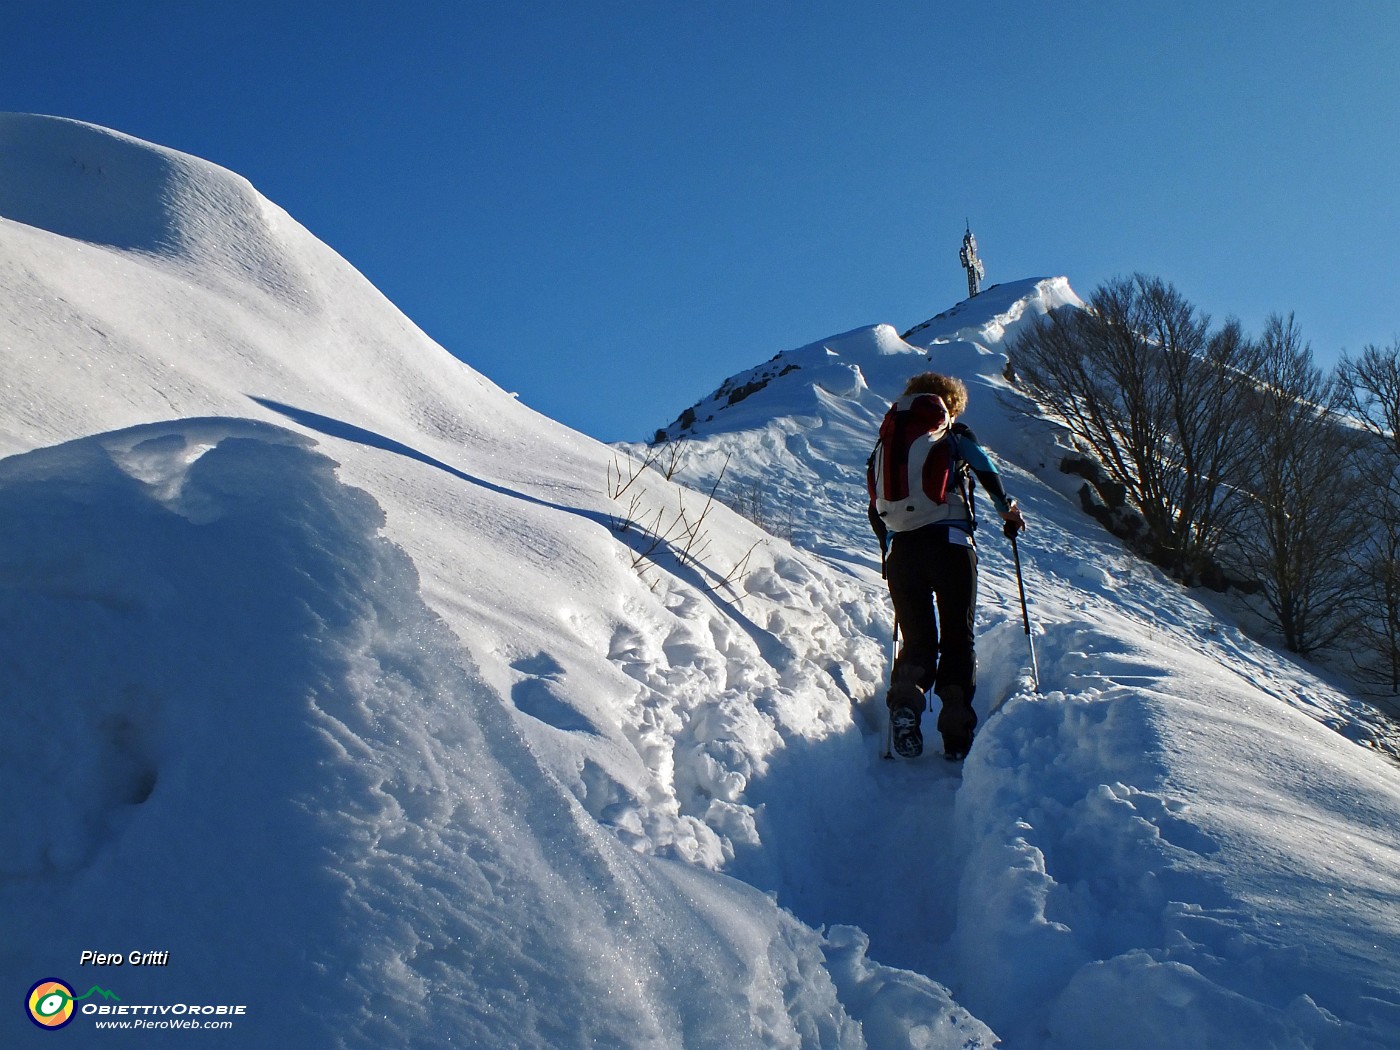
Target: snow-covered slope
{"points": [[328, 674], [329, 671]]}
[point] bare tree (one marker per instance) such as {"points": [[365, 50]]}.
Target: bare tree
{"points": [[1153, 394], [1371, 392], [1378, 578], [1371, 397], [1299, 531]]}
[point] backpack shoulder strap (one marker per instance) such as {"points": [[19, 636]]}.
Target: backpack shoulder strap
{"points": [[967, 480]]}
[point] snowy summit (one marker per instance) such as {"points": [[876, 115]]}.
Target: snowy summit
{"points": [[346, 693]]}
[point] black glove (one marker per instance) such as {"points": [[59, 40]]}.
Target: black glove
{"points": [[1014, 522]]}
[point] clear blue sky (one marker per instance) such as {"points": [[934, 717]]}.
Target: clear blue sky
{"points": [[611, 206]]}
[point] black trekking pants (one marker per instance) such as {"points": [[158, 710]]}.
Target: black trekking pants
{"points": [[933, 583]]}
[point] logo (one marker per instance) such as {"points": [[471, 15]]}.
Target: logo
{"points": [[51, 1001], [50, 1004]]}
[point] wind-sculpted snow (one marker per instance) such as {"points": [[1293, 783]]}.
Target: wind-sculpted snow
{"points": [[114, 191], [209, 634], [1161, 854]]}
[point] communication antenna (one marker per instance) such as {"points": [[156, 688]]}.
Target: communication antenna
{"points": [[973, 265]]}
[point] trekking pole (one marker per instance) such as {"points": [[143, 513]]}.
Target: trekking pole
{"points": [[1025, 613], [889, 721]]}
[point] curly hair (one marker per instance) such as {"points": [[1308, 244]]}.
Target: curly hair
{"points": [[952, 390]]}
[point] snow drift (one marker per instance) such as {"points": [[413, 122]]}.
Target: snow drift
{"points": [[337, 673]]}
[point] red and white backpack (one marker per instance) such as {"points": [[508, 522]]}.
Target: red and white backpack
{"points": [[912, 468]]}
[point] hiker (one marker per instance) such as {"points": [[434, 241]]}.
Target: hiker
{"points": [[919, 490]]}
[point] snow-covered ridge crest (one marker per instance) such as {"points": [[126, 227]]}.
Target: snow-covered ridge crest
{"points": [[82, 181], [987, 318], [144, 282], [877, 359]]}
